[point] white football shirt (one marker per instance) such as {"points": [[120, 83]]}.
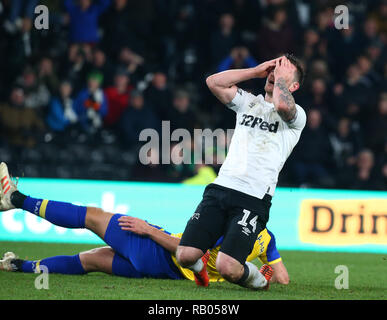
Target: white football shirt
{"points": [[261, 143]]}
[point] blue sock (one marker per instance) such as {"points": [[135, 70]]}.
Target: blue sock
{"points": [[61, 214], [58, 264]]}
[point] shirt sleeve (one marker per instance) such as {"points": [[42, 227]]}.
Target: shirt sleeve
{"points": [[272, 253], [240, 101], [299, 120]]}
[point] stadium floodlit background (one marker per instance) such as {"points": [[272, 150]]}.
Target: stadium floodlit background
{"points": [[74, 98]]}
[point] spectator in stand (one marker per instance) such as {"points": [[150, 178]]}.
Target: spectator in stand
{"points": [[376, 126], [36, 94], [276, 36], [369, 75], [61, 110], [84, 19], [239, 57], [102, 64], [137, 117], [116, 25], [311, 42], [370, 32], [47, 75], [91, 104], [132, 62], [318, 95], [363, 175], [344, 47], [158, 95], [223, 39], [24, 45], [181, 115], [118, 97], [76, 68], [346, 143], [311, 157], [356, 91], [20, 125]]}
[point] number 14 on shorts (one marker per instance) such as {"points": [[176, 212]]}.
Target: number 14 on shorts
{"points": [[243, 222]]}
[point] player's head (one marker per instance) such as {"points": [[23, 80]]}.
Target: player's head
{"points": [[298, 78]]}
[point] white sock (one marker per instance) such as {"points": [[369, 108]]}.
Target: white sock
{"points": [[255, 280], [197, 266]]}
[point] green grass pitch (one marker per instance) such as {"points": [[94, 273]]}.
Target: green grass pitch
{"points": [[312, 277]]}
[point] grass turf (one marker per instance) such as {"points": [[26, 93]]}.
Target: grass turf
{"points": [[312, 277]]}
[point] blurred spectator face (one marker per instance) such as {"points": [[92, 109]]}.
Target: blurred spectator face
{"points": [[382, 106], [374, 52], [353, 109], [73, 51], [314, 119], [76, 54], [45, 66], [226, 22], [181, 102], [99, 58], [85, 4], [159, 80], [29, 78], [17, 97], [319, 68], [65, 89], [347, 32], [371, 28], [137, 101], [311, 37], [353, 73], [323, 20], [121, 82], [120, 4], [343, 127], [365, 160], [26, 25], [94, 81], [318, 87], [280, 17], [364, 64], [239, 54], [125, 55]]}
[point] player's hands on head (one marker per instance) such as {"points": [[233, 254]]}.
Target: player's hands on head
{"points": [[284, 69], [134, 225], [264, 69]]}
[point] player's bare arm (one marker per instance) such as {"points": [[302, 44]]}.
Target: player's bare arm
{"points": [[142, 228], [282, 96], [223, 84]]}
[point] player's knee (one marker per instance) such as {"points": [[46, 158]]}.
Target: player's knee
{"points": [[87, 260], [93, 214], [229, 270], [92, 260], [186, 256]]}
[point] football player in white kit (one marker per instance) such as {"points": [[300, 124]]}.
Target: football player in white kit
{"points": [[236, 205]]}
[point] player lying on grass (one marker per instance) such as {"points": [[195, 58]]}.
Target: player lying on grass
{"points": [[136, 249]]}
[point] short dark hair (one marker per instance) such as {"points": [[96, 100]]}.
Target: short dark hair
{"points": [[300, 69]]}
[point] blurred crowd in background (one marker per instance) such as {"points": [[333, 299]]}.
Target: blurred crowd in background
{"points": [[74, 98]]}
